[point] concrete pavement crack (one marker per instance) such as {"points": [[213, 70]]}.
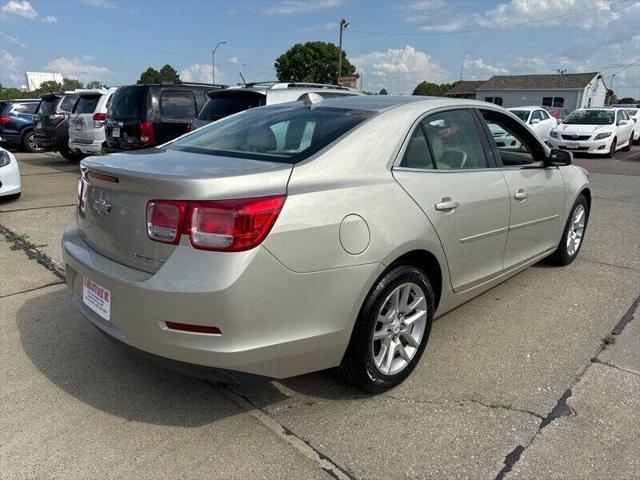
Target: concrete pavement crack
{"points": [[38, 255], [31, 289], [607, 364]]}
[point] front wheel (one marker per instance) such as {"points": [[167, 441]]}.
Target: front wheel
{"points": [[612, 148], [573, 234], [391, 331]]}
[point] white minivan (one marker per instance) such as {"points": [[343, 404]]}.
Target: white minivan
{"points": [[87, 120]]}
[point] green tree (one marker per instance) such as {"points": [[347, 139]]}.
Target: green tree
{"points": [[169, 74], [71, 84], [433, 89], [312, 62], [150, 75], [49, 87], [626, 100], [94, 84]]}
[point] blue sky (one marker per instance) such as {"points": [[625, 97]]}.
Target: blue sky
{"points": [[395, 44]]}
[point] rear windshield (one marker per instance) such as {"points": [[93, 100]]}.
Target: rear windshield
{"points": [[128, 103], [223, 105], [67, 103], [86, 104], [276, 134], [591, 117], [47, 105], [521, 114]]}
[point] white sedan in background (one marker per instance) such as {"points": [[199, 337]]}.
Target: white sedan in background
{"points": [[634, 114], [594, 130], [538, 120], [9, 176]]}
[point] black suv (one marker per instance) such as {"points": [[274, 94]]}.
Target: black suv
{"points": [[142, 116], [52, 123]]}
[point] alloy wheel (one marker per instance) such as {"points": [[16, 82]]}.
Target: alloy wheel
{"points": [[400, 326], [576, 230]]}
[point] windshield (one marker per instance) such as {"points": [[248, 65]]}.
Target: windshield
{"points": [[277, 134], [128, 103], [591, 117], [521, 114], [47, 105], [86, 104], [225, 104]]}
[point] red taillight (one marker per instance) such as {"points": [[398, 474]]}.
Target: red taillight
{"points": [[4, 119], [147, 134], [99, 119], [219, 225]]}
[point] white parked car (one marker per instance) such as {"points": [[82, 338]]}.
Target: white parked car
{"points": [[87, 120], [634, 114], [537, 119], [594, 130], [503, 138], [9, 176]]}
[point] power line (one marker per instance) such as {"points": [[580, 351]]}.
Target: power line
{"points": [[483, 29]]}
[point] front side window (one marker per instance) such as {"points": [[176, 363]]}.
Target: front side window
{"points": [[543, 114], [521, 114], [177, 105], [513, 143], [454, 141], [277, 134]]}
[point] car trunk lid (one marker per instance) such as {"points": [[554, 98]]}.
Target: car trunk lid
{"points": [[116, 189]]}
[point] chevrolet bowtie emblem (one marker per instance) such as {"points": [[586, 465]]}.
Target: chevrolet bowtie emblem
{"points": [[101, 206]]}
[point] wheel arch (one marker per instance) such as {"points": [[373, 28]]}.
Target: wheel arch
{"points": [[24, 131], [587, 194], [427, 262]]}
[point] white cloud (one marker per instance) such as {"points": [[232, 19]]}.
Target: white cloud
{"points": [[287, 7], [14, 40], [200, 72], [99, 3], [10, 65], [78, 68], [426, 5], [23, 9], [478, 64], [452, 25], [399, 70], [235, 61]]}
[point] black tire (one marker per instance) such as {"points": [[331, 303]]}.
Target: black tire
{"points": [[561, 256], [71, 155], [28, 143], [612, 148], [358, 365], [14, 196]]}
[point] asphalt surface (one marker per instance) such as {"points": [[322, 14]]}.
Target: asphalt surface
{"points": [[537, 378]]}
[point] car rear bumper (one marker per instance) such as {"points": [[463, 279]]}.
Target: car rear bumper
{"points": [[91, 147], [600, 147], [274, 322]]}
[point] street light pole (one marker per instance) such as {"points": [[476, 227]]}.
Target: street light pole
{"points": [[213, 61], [343, 26]]}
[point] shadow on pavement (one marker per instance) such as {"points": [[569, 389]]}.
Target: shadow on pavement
{"points": [[75, 357]]}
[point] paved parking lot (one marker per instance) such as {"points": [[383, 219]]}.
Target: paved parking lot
{"points": [[537, 378]]}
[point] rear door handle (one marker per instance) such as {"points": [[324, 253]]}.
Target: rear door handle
{"points": [[447, 204], [521, 195]]}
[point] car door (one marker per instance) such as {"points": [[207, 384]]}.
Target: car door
{"points": [[447, 167], [537, 193], [545, 125], [626, 130]]}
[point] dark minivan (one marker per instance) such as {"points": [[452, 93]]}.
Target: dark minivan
{"points": [[142, 116], [52, 123]]}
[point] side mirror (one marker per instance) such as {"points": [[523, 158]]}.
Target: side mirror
{"points": [[622, 122], [558, 157], [534, 121]]}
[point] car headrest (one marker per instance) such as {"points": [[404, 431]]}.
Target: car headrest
{"points": [[261, 139]]}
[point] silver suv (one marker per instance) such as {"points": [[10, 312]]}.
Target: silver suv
{"points": [[223, 103]]}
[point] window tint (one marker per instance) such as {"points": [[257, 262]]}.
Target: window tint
{"points": [[512, 146], [521, 114], [67, 103], [47, 105], [86, 104], [225, 104], [537, 115], [177, 105], [128, 103], [590, 117], [276, 134], [417, 153], [454, 140]]}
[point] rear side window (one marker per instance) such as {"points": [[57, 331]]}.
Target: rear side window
{"points": [[128, 103], [454, 140], [67, 103], [86, 104], [24, 107], [276, 134], [177, 105], [417, 154], [225, 104]]}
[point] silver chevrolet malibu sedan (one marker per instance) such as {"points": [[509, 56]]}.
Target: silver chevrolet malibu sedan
{"points": [[316, 234]]}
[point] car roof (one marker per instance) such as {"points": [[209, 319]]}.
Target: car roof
{"points": [[379, 103], [528, 107]]}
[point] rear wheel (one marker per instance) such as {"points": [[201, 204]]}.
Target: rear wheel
{"points": [[612, 148], [391, 331], [29, 143], [573, 234], [71, 155]]}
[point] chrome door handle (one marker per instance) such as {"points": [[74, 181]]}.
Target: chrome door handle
{"points": [[521, 195], [447, 204]]}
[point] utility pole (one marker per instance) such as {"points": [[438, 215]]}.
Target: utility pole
{"points": [[343, 27], [213, 61]]}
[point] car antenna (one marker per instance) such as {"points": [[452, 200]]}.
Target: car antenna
{"points": [[243, 80]]}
